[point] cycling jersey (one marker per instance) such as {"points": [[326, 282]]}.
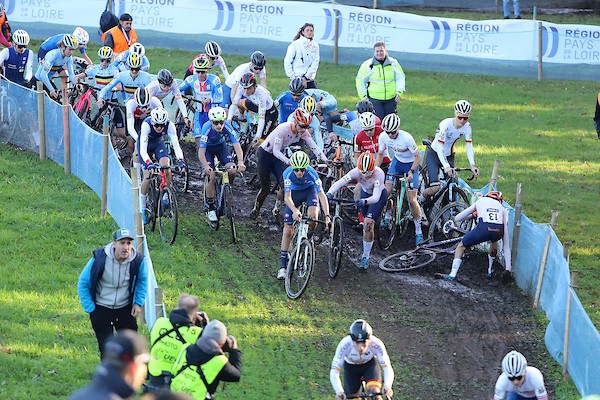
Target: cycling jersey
{"points": [[287, 105], [210, 137], [373, 185], [53, 62], [52, 43], [310, 178], [234, 78], [18, 68], [355, 124], [207, 89], [532, 387], [404, 146], [135, 115], [155, 90], [148, 136], [315, 130], [283, 136], [345, 353], [328, 102], [101, 76], [130, 84], [371, 144], [445, 137], [261, 98], [218, 62], [120, 62]]}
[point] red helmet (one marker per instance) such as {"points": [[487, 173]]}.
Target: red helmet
{"points": [[495, 195], [302, 117], [366, 162]]}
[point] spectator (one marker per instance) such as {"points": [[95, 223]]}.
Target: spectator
{"points": [[381, 80], [17, 61], [597, 116], [507, 9], [112, 287], [302, 56], [122, 36], [122, 371], [5, 32]]}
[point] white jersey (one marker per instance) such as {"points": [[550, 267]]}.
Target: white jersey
{"points": [[532, 386], [219, 62], [445, 137], [155, 90], [372, 185], [133, 112], [261, 97], [234, 78], [404, 146], [282, 136]]}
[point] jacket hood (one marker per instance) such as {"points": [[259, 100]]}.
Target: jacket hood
{"points": [[111, 379], [204, 350], [180, 317], [109, 249]]}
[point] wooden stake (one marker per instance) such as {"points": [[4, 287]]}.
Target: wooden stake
{"points": [[538, 288], [517, 225], [41, 119], [573, 286]]}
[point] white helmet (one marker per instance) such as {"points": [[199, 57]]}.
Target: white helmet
{"points": [[391, 123], [81, 35], [367, 120], [462, 107], [20, 37], [142, 96], [69, 41], [159, 116], [134, 60], [137, 48], [217, 114], [212, 49], [514, 364], [1, 8]]}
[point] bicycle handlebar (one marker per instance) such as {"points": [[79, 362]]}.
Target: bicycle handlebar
{"points": [[344, 202]]}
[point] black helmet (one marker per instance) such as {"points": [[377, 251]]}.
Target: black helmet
{"points": [[248, 79], [258, 59], [360, 330], [297, 86], [165, 77], [364, 106]]}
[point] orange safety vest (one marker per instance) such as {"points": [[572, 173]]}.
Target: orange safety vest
{"points": [[120, 41]]}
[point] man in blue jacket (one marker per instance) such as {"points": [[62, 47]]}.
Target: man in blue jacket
{"points": [[112, 287]]}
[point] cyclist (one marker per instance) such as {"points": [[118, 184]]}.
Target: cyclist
{"points": [[492, 225], [518, 380], [373, 196], [442, 157], [17, 61], [213, 51], [151, 142], [138, 108], [56, 60], [53, 43], [163, 86], [301, 184], [256, 66], [130, 80], [103, 72], [211, 143], [407, 159], [256, 99], [207, 92], [288, 101], [271, 159], [368, 138], [121, 60], [357, 355], [309, 104], [362, 106]]}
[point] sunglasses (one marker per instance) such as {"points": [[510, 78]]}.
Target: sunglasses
{"points": [[257, 68], [369, 130], [218, 122], [462, 118], [296, 94], [515, 378], [303, 126], [21, 47], [159, 126], [298, 169], [135, 69], [201, 72], [107, 60], [213, 58]]}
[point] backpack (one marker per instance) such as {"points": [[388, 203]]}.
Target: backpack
{"points": [[108, 20]]}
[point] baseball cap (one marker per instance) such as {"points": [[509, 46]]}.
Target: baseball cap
{"points": [[215, 330], [125, 347], [122, 234], [126, 17]]}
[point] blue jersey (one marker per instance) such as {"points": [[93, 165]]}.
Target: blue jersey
{"points": [[52, 43], [130, 84], [210, 137], [101, 76], [53, 62], [329, 102], [154, 135], [287, 105], [15, 65], [209, 89], [121, 62], [310, 178]]}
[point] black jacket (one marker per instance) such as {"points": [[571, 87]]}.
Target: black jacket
{"points": [[107, 384], [204, 350]]}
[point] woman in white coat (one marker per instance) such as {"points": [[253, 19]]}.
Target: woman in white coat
{"points": [[302, 56]]}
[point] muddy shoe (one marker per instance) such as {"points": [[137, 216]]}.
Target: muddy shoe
{"points": [[281, 274], [418, 239], [506, 277], [364, 263], [445, 277], [254, 213]]}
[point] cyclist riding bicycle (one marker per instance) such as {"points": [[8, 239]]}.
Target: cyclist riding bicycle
{"points": [[492, 225], [121, 60], [151, 142], [56, 60], [211, 143], [213, 51], [442, 157], [358, 354], [164, 85], [368, 138], [53, 42], [309, 104], [17, 61], [518, 380], [288, 101], [103, 72], [407, 159], [256, 66], [362, 106], [373, 196], [301, 184], [138, 108], [207, 92]]}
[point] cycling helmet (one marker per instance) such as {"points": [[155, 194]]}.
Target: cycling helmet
{"points": [[69, 41], [217, 114], [514, 364], [20, 37], [367, 120], [105, 52], [302, 117], [462, 107], [134, 60], [248, 80], [81, 35], [308, 103], [212, 49], [360, 330], [159, 116], [258, 59], [364, 106], [137, 48], [142, 96], [299, 160], [366, 162], [495, 195], [1, 8], [165, 77], [297, 86], [201, 63], [391, 123]]}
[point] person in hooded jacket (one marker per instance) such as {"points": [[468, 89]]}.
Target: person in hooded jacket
{"points": [[112, 287], [201, 366]]}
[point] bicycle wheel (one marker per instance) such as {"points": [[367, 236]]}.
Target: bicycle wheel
{"points": [[151, 206], [336, 246], [180, 177], [386, 227], [230, 211], [299, 268], [168, 218], [436, 233], [404, 217], [407, 260], [349, 211], [458, 196]]}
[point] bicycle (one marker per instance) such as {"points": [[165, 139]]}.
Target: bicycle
{"points": [[183, 131], [110, 108], [8, 112], [180, 177], [161, 204], [339, 166], [83, 104], [224, 198], [246, 131], [438, 242], [336, 236], [396, 214]]}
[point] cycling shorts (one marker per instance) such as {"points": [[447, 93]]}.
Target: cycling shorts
{"points": [[308, 196], [400, 168], [434, 166], [373, 211], [155, 148], [269, 164], [483, 232], [354, 374], [221, 152]]}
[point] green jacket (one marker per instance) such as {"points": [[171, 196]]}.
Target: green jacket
{"points": [[380, 81]]}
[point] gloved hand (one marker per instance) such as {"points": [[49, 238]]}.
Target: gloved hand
{"points": [[448, 226], [360, 202], [448, 170], [149, 165], [329, 196], [181, 164]]}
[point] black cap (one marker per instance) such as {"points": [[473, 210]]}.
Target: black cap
{"points": [[126, 17], [122, 234], [125, 347]]}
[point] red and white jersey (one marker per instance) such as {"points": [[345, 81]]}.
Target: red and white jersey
{"points": [[371, 144], [404, 146], [532, 386], [372, 185], [488, 210]]}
